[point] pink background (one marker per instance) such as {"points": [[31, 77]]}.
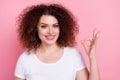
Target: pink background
{"points": [[101, 14]]}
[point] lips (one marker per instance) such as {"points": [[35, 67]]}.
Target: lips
{"points": [[49, 37]]}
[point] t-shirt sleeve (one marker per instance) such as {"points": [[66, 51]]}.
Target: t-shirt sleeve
{"points": [[19, 70], [78, 60]]}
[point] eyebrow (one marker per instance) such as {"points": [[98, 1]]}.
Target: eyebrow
{"points": [[47, 24]]}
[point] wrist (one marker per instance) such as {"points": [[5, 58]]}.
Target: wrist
{"points": [[92, 58]]}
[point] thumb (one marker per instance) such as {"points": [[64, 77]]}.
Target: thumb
{"points": [[83, 42]]}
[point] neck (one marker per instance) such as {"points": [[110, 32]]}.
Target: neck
{"points": [[47, 49]]}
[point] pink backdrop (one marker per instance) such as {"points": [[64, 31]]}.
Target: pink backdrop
{"points": [[101, 14]]}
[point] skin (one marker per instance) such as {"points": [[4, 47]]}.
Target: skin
{"points": [[91, 52], [48, 31]]}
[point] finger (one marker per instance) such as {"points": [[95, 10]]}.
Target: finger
{"points": [[90, 40], [83, 42], [96, 37], [95, 34], [86, 42]]}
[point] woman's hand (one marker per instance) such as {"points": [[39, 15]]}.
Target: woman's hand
{"points": [[89, 44]]}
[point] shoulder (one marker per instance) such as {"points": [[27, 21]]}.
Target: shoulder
{"points": [[72, 49], [75, 56], [25, 55]]}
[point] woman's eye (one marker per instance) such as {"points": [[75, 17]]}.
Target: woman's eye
{"points": [[43, 26], [56, 25]]}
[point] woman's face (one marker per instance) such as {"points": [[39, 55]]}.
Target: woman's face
{"points": [[48, 29]]}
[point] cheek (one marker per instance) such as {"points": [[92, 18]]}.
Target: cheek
{"points": [[41, 32], [58, 31]]}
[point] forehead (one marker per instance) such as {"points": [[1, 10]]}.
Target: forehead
{"points": [[48, 19]]}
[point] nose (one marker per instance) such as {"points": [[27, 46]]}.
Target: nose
{"points": [[50, 31]]}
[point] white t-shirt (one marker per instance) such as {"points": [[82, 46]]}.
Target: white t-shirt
{"points": [[29, 67]]}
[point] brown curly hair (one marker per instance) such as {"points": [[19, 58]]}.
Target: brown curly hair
{"points": [[28, 21]]}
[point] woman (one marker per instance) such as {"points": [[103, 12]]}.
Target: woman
{"points": [[47, 31]]}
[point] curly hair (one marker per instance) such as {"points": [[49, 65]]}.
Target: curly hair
{"points": [[28, 20]]}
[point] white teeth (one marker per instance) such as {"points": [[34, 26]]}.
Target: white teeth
{"points": [[50, 37]]}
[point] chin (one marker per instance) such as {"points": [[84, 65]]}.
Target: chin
{"points": [[51, 42]]}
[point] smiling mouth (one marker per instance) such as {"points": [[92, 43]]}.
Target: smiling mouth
{"points": [[50, 37]]}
